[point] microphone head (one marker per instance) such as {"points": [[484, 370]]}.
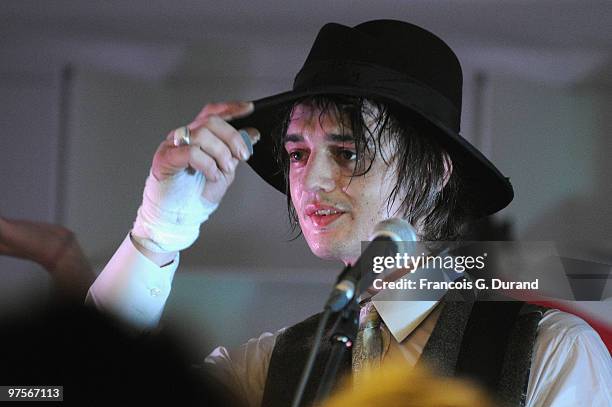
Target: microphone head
{"points": [[395, 229]]}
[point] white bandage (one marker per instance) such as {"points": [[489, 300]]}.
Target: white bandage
{"points": [[171, 213]]}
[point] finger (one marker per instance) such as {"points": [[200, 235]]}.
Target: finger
{"points": [[250, 137], [214, 147], [227, 134], [170, 136], [175, 159], [242, 109], [226, 110], [233, 138], [200, 161], [169, 160]]}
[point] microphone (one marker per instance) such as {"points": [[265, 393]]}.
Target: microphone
{"points": [[392, 233]]}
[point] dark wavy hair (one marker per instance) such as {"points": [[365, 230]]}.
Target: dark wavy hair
{"points": [[418, 160]]}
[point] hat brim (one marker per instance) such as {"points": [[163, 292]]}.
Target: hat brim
{"points": [[484, 190]]}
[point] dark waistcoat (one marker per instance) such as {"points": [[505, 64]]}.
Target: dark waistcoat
{"points": [[490, 342]]}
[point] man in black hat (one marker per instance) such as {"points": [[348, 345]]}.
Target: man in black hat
{"points": [[370, 131]]}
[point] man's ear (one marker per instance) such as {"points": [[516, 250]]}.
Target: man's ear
{"points": [[448, 168]]}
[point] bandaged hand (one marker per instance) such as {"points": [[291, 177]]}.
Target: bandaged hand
{"points": [[187, 182]]}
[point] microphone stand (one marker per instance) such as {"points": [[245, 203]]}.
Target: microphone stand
{"points": [[343, 336], [342, 339], [344, 300]]}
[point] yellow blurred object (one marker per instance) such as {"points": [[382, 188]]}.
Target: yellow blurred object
{"points": [[394, 385]]}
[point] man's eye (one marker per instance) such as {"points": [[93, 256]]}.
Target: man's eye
{"points": [[295, 156], [348, 155]]}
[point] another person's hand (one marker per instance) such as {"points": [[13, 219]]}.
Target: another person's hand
{"points": [[187, 182], [52, 246]]}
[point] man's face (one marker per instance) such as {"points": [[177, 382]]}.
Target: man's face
{"points": [[336, 211]]}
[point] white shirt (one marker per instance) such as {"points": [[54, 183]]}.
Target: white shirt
{"points": [[570, 366]]}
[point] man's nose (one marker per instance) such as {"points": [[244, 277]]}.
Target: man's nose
{"points": [[320, 173]]}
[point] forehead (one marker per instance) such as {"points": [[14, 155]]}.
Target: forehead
{"points": [[308, 118], [334, 124]]}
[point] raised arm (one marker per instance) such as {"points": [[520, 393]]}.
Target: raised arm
{"points": [[188, 178]]}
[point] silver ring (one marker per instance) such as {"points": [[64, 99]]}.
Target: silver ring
{"points": [[181, 136]]}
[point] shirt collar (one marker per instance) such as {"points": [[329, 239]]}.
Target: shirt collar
{"points": [[402, 316]]}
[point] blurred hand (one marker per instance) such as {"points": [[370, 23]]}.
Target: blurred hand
{"points": [[52, 246]]}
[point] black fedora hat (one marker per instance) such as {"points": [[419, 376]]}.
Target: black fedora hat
{"points": [[394, 62]]}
